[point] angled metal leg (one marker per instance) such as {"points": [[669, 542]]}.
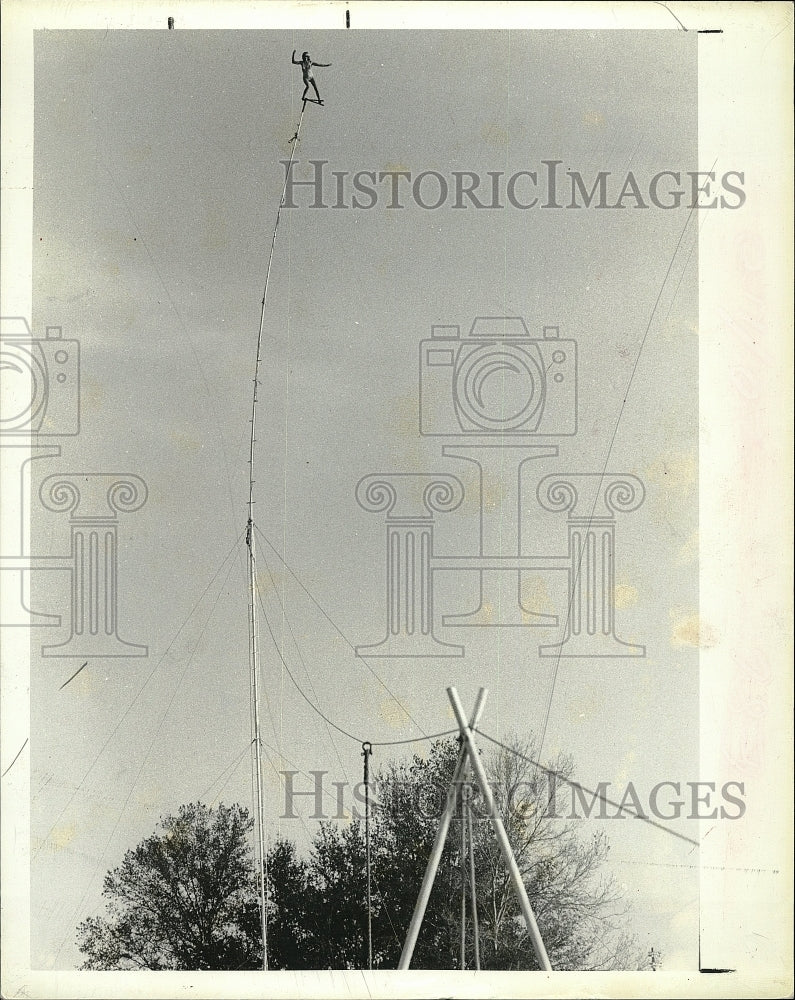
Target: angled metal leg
{"points": [[438, 844], [499, 829]]}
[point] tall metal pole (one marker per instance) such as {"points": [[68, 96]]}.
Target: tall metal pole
{"points": [[254, 652], [499, 829], [472, 885], [463, 878], [438, 844], [367, 750], [254, 663], [252, 581], [257, 744]]}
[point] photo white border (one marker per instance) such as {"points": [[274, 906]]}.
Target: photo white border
{"points": [[745, 123]]}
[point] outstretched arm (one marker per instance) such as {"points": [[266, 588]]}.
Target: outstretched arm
{"points": [[321, 64]]}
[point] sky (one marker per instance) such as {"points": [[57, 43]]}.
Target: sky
{"points": [[157, 175]]}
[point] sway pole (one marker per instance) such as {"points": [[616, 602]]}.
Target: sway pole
{"points": [[252, 585]]}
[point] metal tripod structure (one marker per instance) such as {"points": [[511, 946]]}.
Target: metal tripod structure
{"points": [[468, 755]]}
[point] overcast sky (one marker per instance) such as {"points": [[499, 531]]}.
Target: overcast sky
{"points": [[157, 178]]}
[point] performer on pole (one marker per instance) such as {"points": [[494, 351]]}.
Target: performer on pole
{"points": [[306, 65]]}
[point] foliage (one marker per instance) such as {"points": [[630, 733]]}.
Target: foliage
{"points": [[578, 907], [187, 897], [184, 898]]}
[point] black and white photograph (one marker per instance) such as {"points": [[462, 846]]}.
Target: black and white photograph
{"points": [[396, 544]]}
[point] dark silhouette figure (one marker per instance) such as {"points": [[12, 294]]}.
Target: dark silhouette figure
{"points": [[306, 65]]}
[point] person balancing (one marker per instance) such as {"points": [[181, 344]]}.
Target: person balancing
{"points": [[306, 65]]}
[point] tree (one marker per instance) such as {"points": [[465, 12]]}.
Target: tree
{"points": [[336, 918], [187, 897], [184, 898], [288, 934], [578, 905]]}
